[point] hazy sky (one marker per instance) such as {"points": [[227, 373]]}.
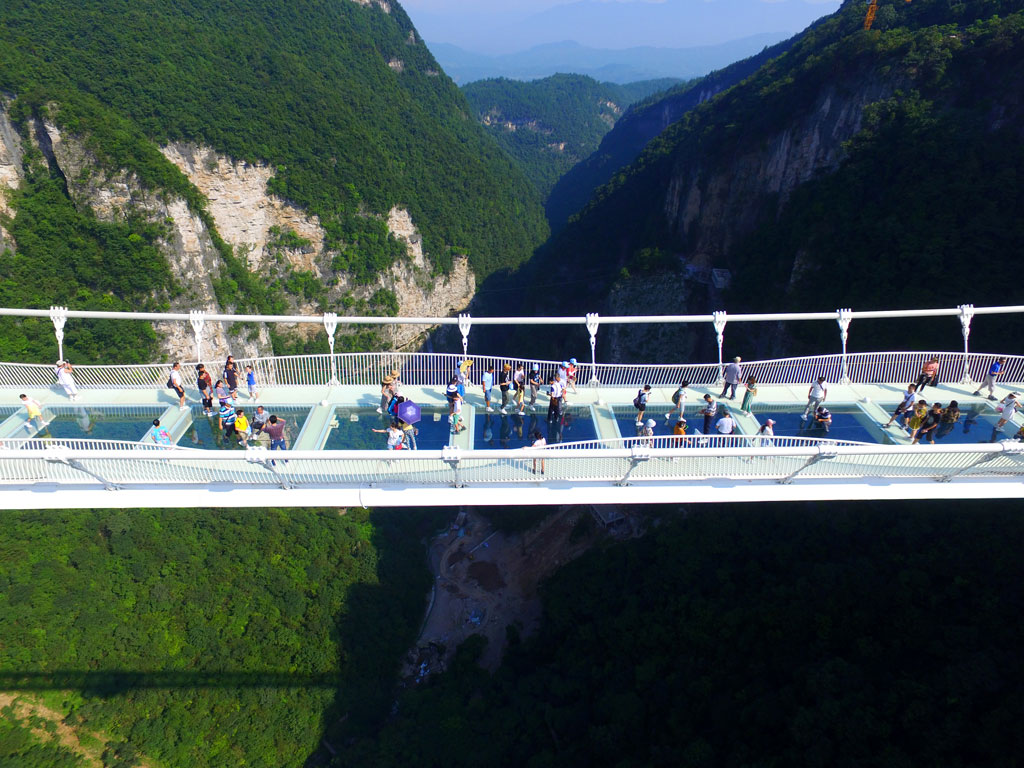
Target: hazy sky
{"points": [[507, 25]]}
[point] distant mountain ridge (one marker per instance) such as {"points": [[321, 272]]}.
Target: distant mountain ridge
{"points": [[622, 65]]}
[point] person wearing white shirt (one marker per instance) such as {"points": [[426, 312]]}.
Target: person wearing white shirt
{"points": [[555, 404], [725, 425], [816, 395]]}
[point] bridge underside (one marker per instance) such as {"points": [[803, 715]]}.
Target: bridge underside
{"points": [[553, 492]]}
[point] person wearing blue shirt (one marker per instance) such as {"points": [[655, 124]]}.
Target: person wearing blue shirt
{"points": [[994, 372]]}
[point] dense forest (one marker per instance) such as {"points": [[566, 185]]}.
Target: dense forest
{"points": [[343, 100], [549, 125], [929, 185], [816, 634], [208, 637]]}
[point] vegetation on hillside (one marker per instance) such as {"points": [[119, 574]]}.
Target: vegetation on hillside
{"points": [[344, 100], [763, 635], [211, 637], [549, 125]]}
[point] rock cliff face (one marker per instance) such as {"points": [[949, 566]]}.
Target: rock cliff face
{"points": [[710, 208], [274, 236]]}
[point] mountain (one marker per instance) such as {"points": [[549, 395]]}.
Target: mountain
{"points": [[230, 155], [620, 65], [853, 157], [641, 123], [549, 125], [485, 28]]}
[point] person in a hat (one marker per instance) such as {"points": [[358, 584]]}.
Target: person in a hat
{"points": [[570, 375], [385, 392], [766, 433], [63, 370]]}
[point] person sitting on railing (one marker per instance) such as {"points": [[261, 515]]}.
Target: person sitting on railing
{"points": [[63, 370], [994, 372], [816, 395], [905, 407], [823, 418], [929, 375], [158, 434], [725, 425]]}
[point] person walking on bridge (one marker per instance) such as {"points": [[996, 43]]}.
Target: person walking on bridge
{"points": [[204, 383], [905, 406], [678, 401], [733, 377], [994, 372], [535, 384], [816, 395], [35, 411], [177, 383]]}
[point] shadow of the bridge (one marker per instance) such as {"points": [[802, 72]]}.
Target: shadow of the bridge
{"points": [[103, 683]]}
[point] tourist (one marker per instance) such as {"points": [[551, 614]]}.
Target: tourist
{"points": [[538, 442], [395, 436], [231, 377], [766, 434], [177, 383], [678, 401], [931, 422], [640, 403], [679, 429], [275, 430], [259, 420], [35, 411], [1007, 407], [222, 393], [917, 418], [905, 407], [823, 418], [749, 395], [725, 425], [733, 377], [519, 383], [64, 369], [226, 419], [250, 382], [409, 433], [487, 384], [535, 384], [385, 392], [929, 375], [462, 376], [570, 375], [709, 411], [555, 401], [396, 382], [950, 417], [816, 395], [994, 372], [456, 417], [204, 383], [242, 428], [158, 434], [504, 379]]}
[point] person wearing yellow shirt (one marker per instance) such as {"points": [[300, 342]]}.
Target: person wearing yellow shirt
{"points": [[242, 428]]}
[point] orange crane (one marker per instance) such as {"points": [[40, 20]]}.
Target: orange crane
{"points": [[872, 10]]}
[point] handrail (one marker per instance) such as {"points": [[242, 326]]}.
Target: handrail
{"points": [[707, 441], [435, 369]]}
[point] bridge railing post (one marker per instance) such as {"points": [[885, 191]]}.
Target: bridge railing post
{"points": [[197, 319], [452, 455], [843, 318], [966, 315], [331, 325], [465, 324], [593, 323], [720, 320], [59, 316]]}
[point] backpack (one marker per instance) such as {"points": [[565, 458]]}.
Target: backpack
{"points": [[170, 382], [638, 401], [676, 395]]}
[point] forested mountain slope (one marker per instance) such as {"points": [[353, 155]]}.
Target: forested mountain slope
{"points": [[549, 125], [132, 121], [642, 122], [854, 157]]}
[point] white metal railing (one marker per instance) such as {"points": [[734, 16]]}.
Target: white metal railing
{"points": [[255, 468], [434, 370], [715, 442], [843, 317], [82, 444]]}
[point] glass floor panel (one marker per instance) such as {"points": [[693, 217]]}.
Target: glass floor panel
{"points": [[977, 425], [497, 431], [204, 432], [848, 423], [625, 417], [351, 429], [100, 422]]}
